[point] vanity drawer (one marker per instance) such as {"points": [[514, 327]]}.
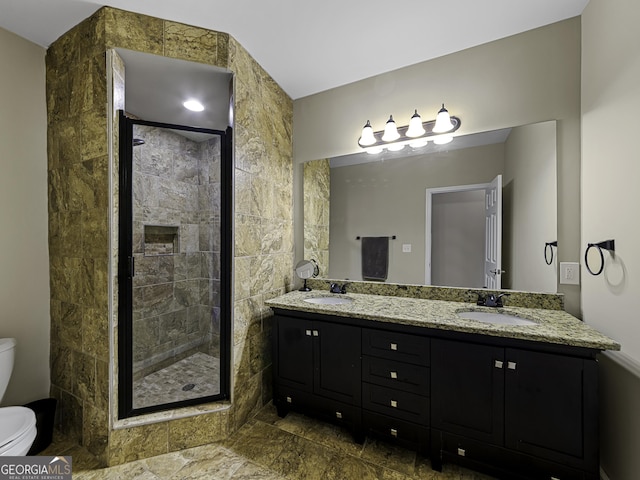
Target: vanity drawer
{"points": [[505, 463], [400, 431], [332, 410], [395, 403], [401, 347], [393, 374]]}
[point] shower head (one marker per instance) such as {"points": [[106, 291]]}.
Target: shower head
{"points": [[138, 141]]}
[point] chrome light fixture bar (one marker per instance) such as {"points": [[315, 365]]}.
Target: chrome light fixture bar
{"points": [[417, 134]]}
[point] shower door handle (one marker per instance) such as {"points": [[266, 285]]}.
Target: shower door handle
{"points": [[132, 267]]}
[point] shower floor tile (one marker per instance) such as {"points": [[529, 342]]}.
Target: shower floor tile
{"points": [[192, 377]]}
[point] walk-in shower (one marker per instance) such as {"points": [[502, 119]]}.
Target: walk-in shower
{"points": [[174, 265]]}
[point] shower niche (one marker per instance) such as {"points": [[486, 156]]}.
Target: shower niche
{"points": [[174, 253], [161, 240]]}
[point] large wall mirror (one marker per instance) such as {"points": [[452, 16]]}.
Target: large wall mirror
{"points": [[431, 204]]}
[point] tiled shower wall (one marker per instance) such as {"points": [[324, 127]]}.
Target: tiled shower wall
{"points": [[176, 247], [79, 230]]}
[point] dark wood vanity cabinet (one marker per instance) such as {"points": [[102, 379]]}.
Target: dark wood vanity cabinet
{"points": [[515, 411], [395, 388], [511, 408], [317, 369]]}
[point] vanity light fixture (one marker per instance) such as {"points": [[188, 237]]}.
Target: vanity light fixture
{"points": [[442, 139], [367, 138], [419, 143], [193, 105], [443, 121], [417, 134], [415, 126], [390, 130]]}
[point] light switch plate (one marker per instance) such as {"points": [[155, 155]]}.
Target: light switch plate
{"points": [[570, 273], [406, 248]]}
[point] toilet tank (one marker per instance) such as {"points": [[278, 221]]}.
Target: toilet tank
{"points": [[7, 351]]}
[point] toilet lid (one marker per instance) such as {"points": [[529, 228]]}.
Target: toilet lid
{"points": [[15, 421], [7, 344]]}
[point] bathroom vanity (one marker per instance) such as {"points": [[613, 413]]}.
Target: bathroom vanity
{"points": [[515, 401]]}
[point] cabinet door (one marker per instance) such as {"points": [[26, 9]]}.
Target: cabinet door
{"points": [[467, 390], [337, 362], [547, 404], [293, 353]]}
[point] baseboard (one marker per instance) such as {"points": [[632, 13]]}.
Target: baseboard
{"points": [[625, 361]]}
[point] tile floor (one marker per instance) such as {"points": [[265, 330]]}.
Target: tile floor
{"points": [[168, 385], [271, 448]]}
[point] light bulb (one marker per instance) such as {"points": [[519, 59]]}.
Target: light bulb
{"points": [[419, 143], [442, 139], [193, 105], [395, 147], [390, 131], [443, 121], [415, 126], [373, 150], [367, 137]]}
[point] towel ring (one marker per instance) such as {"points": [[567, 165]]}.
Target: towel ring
{"points": [[393, 237], [316, 268], [548, 246], [605, 245]]}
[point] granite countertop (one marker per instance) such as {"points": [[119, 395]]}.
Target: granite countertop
{"points": [[552, 326]]}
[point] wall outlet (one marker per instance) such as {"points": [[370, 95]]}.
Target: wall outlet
{"points": [[570, 273], [406, 248]]}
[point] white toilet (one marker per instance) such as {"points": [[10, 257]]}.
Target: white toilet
{"points": [[17, 424]]}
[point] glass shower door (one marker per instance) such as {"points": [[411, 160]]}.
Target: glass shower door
{"points": [[174, 269]]}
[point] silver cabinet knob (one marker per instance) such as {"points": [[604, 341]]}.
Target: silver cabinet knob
{"points": [[394, 375], [394, 432], [338, 414], [316, 333], [307, 333], [461, 452], [498, 364], [394, 403], [289, 400], [511, 365], [393, 346]]}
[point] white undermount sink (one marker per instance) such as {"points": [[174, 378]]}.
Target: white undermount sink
{"points": [[329, 300], [496, 318]]}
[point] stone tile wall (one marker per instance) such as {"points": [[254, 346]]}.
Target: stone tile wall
{"points": [[79, 230], [316, 186], [548, 301], [78, 184], [176, 199]]}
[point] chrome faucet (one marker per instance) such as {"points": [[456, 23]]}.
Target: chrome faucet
{"points": [[492, 300], [335, 288]]}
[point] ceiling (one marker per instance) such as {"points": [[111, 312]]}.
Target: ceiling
{"points": [[157, 86], [311, 46]]}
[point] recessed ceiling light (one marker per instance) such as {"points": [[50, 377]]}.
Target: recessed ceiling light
{"points": [[193, 105]]}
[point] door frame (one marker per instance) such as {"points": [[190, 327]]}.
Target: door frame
{"points": [[430, 192]]}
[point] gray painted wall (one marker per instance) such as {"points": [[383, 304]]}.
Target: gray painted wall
{"points": [[610, 200], [530, 214], [457, 240], [24, 255]]}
